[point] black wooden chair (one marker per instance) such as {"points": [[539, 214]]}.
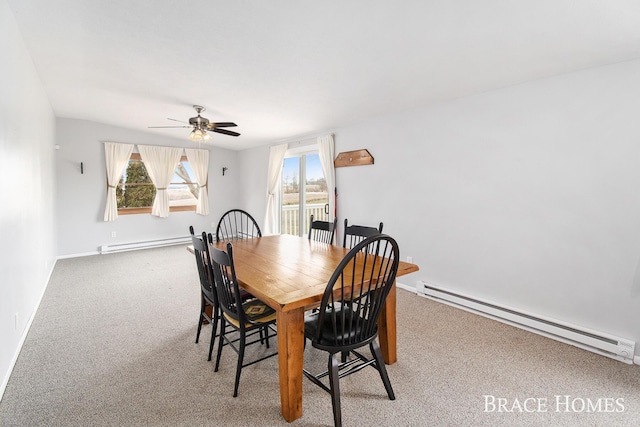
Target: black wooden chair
{"points": [[354, 234], [208, 296], [248, 318], [322, 231], [209, 306], [237, 224], [349, 312]]}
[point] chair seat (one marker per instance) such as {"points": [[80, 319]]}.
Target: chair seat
{"points": [[348, 330], [256, 311]]}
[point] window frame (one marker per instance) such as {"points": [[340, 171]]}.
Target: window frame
{"points": [[135, 211]]}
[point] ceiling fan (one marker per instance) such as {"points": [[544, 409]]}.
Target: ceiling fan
{"points": [[200, 125]]}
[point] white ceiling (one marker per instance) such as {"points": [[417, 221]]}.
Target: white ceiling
{"points": [[283, 69]]}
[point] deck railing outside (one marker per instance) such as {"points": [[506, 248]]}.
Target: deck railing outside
{"points": [[291, 216]]}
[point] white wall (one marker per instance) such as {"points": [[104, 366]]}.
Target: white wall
{"points": [[525, 196], [27, 190], [253, 177], [81, 197]]}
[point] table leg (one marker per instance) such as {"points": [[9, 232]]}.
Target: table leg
{"points": [[290, 326], [387, 329]]}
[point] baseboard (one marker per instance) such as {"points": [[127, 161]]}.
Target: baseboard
{"points": [[78, 255], [636, 360], [406, 287], [5, 380], [133, 246]]}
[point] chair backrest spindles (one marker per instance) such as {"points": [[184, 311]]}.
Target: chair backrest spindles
{"points": [[354, 234], [237, 224], [322, 231]]}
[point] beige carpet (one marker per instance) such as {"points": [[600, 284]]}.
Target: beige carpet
{"points": [[113, 344]]}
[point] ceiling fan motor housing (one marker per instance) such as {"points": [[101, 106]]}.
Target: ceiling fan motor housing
{"points": [[198, 121]]}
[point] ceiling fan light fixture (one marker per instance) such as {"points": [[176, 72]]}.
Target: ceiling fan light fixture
{"points": [[199, 135]]}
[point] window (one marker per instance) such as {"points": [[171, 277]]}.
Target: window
{"points": [[304, 192], [135, 191]]}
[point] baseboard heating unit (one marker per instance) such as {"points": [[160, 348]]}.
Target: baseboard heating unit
{"points": [[603, 344], [121, 247]]}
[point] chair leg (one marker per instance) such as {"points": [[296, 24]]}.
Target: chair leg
{"points": [[214, 329], [375, 350], [334, 383], [240, 361], [199, 327], [223, 327], [200, 319]]}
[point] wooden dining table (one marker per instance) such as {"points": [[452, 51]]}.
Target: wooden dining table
{"points": [[290, 274]]}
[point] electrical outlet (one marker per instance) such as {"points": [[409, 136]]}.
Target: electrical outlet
{"points": [[113, 234], [410, 259]]}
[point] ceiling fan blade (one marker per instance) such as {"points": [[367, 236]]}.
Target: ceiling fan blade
{"points": [[175, 127], [226, 132], [222, 124], [176, 120]]}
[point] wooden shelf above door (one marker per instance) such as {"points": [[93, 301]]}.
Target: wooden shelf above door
{"points": [[353, 158]]}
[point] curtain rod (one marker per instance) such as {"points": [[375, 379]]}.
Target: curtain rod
{"points": [[304, 141]]}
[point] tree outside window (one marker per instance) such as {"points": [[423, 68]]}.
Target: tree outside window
{"points": [[135, 191]]}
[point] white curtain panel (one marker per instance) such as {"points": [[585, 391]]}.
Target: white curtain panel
{"points": [[327, 153], [161, 163], [199, 161], [117, 157], [182, 173], [272, 216]]}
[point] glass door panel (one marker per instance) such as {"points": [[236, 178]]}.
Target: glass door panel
{"points": [[291, 196], [304, 193]]}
